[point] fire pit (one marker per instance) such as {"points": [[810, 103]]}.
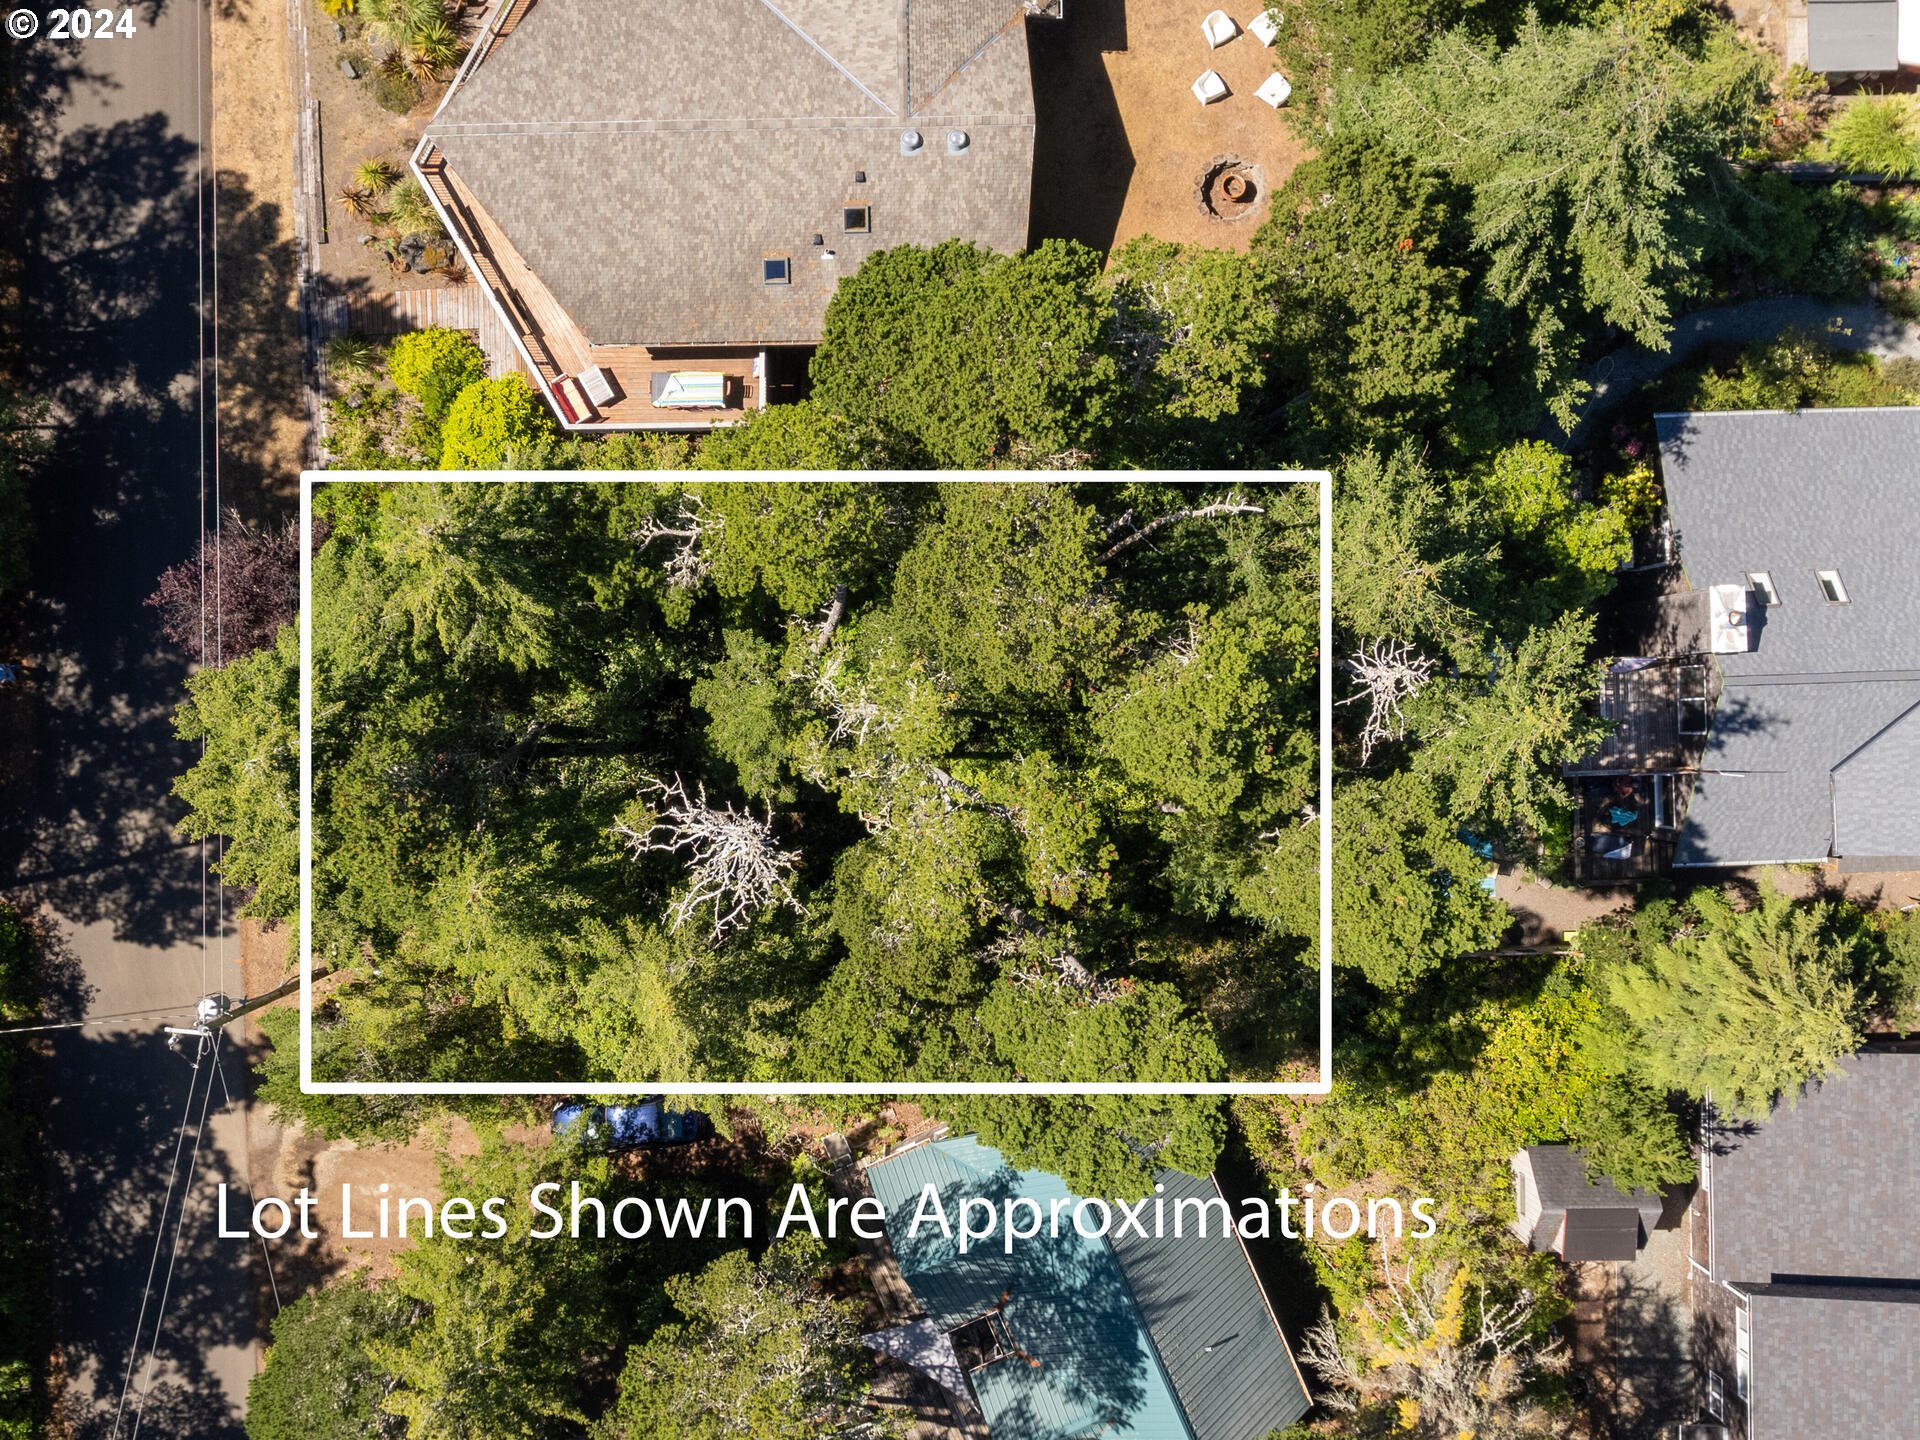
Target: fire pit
{"points": [[1230, 188]]}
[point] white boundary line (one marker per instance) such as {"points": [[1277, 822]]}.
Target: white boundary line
{"points": [[1322, 1086]]}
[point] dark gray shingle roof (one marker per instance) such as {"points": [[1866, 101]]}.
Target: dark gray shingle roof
{"points": [[1834, 1362], [1847, 35], [645, 159], [1788, 494], [1827, 1187], [1198, 1293]]}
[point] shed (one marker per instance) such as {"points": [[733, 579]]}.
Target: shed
{"points": [[1561, 1207], [1853, 36]]}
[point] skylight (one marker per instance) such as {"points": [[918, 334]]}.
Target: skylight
{"points": [[1831, 587], [856, 219], [774, 270], [1761, 583]]}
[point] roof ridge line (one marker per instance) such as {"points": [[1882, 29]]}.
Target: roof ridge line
{"points": [[1870, 741], [915, 111], [828, 56], [669, 126]]}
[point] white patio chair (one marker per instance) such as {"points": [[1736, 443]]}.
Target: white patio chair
{"points": [[1209, 88], [1264, 28], [1219, 29], [1275, 90]]}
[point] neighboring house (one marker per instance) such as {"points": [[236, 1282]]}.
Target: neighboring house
{"points": [[1806, 1260], [1776, 717], [1156, 1339], [1864, 37], [1561, 1208], [660, 198]]}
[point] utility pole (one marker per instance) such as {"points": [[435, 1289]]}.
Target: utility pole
{"points": [[215, 1012]]}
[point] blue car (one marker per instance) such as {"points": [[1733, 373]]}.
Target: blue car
{"points": [[628, 1127]]}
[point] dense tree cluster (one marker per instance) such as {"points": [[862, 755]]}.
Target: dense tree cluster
{"points": [[798, 781]]}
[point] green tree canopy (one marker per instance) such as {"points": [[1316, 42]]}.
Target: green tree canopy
{"points": [[965, 358], [1748, 1006]]}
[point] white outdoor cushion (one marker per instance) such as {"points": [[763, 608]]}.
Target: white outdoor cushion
{"points": [[594, 381], [1275, 90], [1219, 29], [1209, 88], [1263, 28]]}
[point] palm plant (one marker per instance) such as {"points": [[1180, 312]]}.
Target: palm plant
{"points": [[434, 48], [408, 210], [356, 202], [351, 356], [375, 176], [397, 22]]}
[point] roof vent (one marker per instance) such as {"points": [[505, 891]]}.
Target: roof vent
{"points": [[958, 141], [911, 141], [818, 238], [859, 177]]}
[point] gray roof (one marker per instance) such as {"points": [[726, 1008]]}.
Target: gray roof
{"points": [[1790, 493], [1853, 35], [1831, 1361], [1198, 1292], [1563, 1182], [645, 159], [1825, 1189]]}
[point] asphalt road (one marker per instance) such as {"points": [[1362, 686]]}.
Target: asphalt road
{"points": [[115, 276]]}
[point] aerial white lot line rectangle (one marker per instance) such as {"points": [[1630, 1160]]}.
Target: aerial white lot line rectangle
{"points": [[309, 1086]]}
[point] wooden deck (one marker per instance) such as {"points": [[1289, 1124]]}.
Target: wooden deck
{"points": [[557, 346], [1659, 715]]}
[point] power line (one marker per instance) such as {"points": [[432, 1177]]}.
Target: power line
{"points": [[266, 1255], [159, 1234], [180, 1224], [94, 1020]]}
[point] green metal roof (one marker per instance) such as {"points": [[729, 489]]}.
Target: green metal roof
{"points": [[1168, 1339], [1068, 1306]]}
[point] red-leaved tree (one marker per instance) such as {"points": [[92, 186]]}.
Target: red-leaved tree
{"points": [[252, 577]]}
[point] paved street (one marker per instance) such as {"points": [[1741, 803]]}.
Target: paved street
{"points": [[114, 281]]}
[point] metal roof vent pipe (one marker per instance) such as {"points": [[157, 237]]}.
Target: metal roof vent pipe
{"points": [[958, 141], [911, 142]]}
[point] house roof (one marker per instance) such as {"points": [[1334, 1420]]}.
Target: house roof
{"points": [[1853, 35], [1824, 1189], [1066, 1305], [1210, 1321], [1116, 1329], [1789, 494], [1835, 1361], [645, 160]]}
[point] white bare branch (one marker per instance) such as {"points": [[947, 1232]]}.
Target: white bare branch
{"points": [[1234, 504], [1464, 1363], [688, 566], [734, 865], [1390, 673]]}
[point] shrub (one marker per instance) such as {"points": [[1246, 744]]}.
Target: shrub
{"points": [[492, 422], [434, 366], [408, 209], [375, 176], [351, 356], [1877, 134], [395, 89]]}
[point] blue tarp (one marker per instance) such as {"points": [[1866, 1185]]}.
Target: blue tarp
{"points": [[621, 1126]]}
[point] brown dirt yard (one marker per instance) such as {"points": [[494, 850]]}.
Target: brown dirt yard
{"points": [[1122, 142], [353, 128]]}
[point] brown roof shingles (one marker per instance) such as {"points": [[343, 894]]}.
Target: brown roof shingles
{"points": [[645, 161]]}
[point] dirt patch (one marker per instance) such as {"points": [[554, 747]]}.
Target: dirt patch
{"points": [[354, 128], [262, 424], [1122, 139]]}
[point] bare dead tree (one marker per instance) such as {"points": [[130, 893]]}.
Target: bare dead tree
{"points": [[734, 865], [1234, 504], [692, 525], [1462, 1361], [1390, 673], [829, 622]]}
